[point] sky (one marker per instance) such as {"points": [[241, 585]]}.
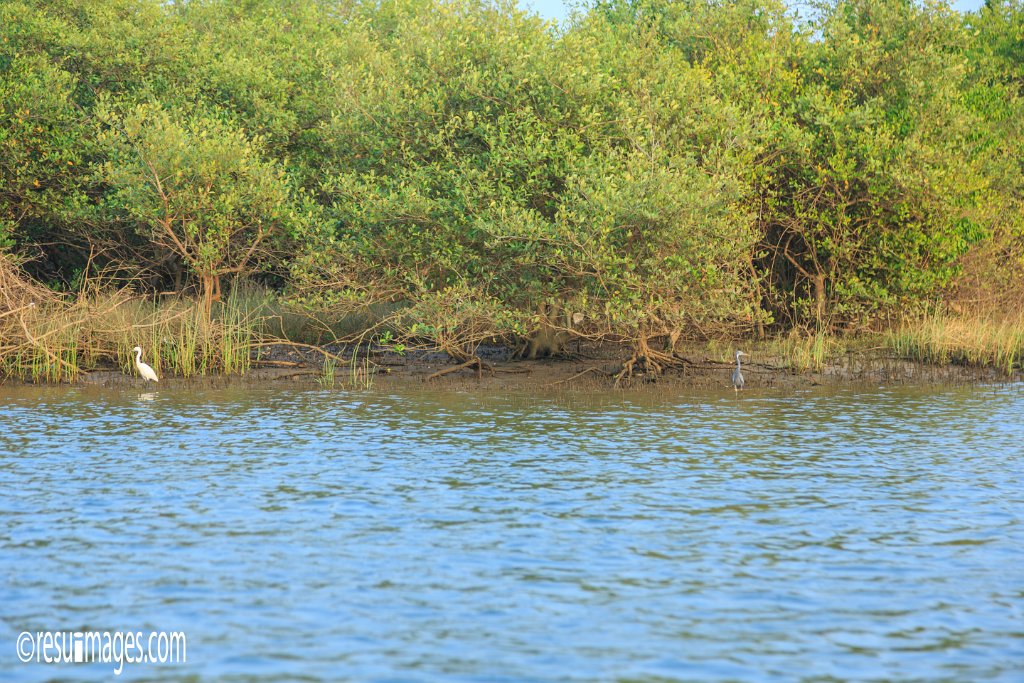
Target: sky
{"points": [[557, 9]]}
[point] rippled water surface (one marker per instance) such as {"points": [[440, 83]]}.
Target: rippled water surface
{"points": [[481, 537]]}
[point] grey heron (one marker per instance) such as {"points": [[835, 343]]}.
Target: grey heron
{"points": [[737, 375]]}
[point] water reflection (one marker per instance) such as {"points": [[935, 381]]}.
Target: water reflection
{"points": [[581, 537]]}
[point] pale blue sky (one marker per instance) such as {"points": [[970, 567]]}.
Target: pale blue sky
{"points": [[557, 9]]}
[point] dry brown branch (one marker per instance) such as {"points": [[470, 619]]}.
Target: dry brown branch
{"points": [[475, 361], [279, 363], [577, 376], [318, 349], [71, 369]]}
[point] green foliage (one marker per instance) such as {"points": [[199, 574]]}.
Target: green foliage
{"points": [[489, 169], [652, 168], [199, 189], [41, 148], [872, 183]]}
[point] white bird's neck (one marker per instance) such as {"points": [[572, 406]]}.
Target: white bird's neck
{"points": [[737, 361], [138, 355]]}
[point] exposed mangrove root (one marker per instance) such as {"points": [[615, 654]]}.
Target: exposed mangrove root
{"points": [[646, 361], [472, 362]]}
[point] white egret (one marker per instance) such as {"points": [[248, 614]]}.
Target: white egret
{"points": [[144, 370], [737, 376]]}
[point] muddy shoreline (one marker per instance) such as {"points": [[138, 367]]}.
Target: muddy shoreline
{"points": [[585, 369]]}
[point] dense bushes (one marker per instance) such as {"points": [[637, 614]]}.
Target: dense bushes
{"points": [[651, 169]]}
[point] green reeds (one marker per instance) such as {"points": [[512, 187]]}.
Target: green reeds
{"points": [[178, 338], [799, 350], [61, 337], [360, 372], [809, 352], [982, 340], [328, 374], [240, 320]]}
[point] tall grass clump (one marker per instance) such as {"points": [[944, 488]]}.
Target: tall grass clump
{"points": [[51, 337], [802, 351], [180, 338], [39, 337], [240, 322], [47, 348], [980, 339]]}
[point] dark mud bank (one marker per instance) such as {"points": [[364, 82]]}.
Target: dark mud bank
{"points": [[596, 368]]}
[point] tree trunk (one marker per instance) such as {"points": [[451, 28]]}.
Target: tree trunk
{"points": [[208, 287], [179, 273], [820, 297], [760, 298]]}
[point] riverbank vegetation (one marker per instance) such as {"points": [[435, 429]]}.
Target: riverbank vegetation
{"points": [[995, 340], [648, 174]]}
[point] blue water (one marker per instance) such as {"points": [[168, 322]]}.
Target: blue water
{"points": [[324, 535]]}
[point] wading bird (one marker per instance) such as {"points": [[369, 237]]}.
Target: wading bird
{"points": [[144, 370], [737, 376]]}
